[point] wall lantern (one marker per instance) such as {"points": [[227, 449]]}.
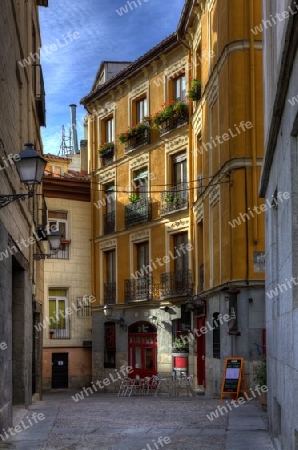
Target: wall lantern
{"points": [[108, 312], [30, 166], [54, 240]]}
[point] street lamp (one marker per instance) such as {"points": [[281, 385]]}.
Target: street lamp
{"points": [[54, 240], [30, 166]]}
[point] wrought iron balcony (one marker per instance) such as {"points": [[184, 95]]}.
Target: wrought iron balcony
{"points": [[174, 122], [109, 222], [60, 329], [139, 289], [138, 212], [142, 137], [176, 284], [174, 199], [110, 293], [63, 253], [39, 92]]}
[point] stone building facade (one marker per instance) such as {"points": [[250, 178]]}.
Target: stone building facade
{"points": [[22, 112], [279, 176]]}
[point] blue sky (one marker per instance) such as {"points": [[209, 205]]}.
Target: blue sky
{"points": [[70, 70]]}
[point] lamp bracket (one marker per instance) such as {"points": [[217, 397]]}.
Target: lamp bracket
{"points": [[7, 199]]}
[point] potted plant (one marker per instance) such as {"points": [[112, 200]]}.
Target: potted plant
{"points": [[180, 346], [260, 377], [133, 132], [133, 198], [106, 148], [194, 92], [171, 198], [171, 110]]}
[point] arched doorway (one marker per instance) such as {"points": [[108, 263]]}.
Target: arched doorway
{"points": [[142, 349]]}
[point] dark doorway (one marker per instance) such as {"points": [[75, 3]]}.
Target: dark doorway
{"points": [[59, 370]]}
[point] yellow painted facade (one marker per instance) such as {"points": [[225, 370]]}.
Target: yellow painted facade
{"points": [[202, 172]]}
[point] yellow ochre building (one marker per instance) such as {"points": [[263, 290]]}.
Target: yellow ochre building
{"points": [[175, 152]]}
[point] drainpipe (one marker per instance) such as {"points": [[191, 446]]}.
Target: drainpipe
{"points": [[253, 118], [91, 171]]}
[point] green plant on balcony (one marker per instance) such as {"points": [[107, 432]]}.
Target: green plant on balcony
{"points": [[171, 198], [170, 110], [105, 148], [133, 198], [133, 132], [194, 92]]}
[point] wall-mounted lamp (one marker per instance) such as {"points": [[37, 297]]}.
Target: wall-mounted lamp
{"points": [[108, 312], [153, 318], [54, 240], [30, 166]]}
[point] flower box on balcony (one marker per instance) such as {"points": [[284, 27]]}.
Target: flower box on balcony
{"points": [[65, 241], [133, 132], [171, 116], [106, 152]]}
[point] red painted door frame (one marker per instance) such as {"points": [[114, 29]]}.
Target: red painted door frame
{"points": [[142, 353]]}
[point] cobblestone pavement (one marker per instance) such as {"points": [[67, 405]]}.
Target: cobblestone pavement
{"points": [[108, 422]]}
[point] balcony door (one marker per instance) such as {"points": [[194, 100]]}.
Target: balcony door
{"points": [[142, 349], [181, 263], [110, 284], [142, 282]]}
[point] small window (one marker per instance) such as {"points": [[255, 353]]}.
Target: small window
{"points": [[179, 93], [109, 130]]}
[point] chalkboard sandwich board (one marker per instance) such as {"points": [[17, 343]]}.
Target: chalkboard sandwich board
{"points": [[232, 376]]}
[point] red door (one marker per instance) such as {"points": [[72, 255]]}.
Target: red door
{"points": [[142, 349], [201, 353]]}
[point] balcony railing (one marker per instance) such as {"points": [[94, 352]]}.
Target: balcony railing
{"points": [[39, 92], [174, 122], [63, 253], [176, 284], [60, 330], [138, 212], [174, 199], [138, 290], [109, 222], [140, 138], [110, 293]]}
